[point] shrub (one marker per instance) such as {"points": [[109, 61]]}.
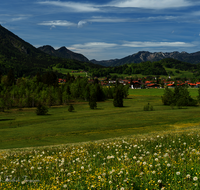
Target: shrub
{"points": [[41, 109], [92, 104], [71, 108], [93, 100], [148, 107]]}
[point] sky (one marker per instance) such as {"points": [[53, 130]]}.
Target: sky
{"points": [[106, 29]]}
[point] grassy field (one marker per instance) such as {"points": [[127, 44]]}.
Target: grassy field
{"points": [[26, 129], [158, 92], [65, 71], [107, 148]]}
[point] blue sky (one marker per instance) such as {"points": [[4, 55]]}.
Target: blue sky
{"points": [[106, 29]]}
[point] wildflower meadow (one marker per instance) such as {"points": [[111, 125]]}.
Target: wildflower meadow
{"points": [[169, 161]]}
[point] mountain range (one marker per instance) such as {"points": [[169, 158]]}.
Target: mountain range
{"points": [[143, 56], [26, 60]]}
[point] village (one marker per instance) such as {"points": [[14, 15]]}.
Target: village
{"points": [[142, 83]]}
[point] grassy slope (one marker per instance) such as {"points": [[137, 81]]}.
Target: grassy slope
{"points": [[182, 74], [24, 128], [65, 71]]}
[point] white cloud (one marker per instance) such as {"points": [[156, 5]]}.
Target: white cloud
{"points": [[151, 4], [19, 18], [73, 6], [93, 45], [157, 44], [81, 23], [57, 23], [162, 18], [103, 20], [146, 4]]}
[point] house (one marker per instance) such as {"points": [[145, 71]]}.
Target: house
{"points": [[192, 84], [153, 85], [198, 84], [135, 84], [148, 82], [171, 85], [61, 80]]}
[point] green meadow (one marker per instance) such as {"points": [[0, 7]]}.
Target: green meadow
{"points": [[23, 128], [181, 74], [70, 71], [158, 92]]}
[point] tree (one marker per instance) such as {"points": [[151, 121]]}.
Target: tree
{"points": [[93, 98], [10, 78], [99, 92], [179, 97], [118, 96], [168, 97], [38, 78], [2, 104], [126, 90], [198, 97]]}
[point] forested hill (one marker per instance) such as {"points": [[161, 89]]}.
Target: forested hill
{"points": [[27, 60]]}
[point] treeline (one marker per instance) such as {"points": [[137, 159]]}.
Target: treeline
{"points": [[45, 90]]}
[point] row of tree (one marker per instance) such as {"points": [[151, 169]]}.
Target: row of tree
{"points": [[30, 92]]}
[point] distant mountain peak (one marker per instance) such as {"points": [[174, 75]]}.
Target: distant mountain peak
{"points": [[63, 52], [143, 56], [48, 46], [62, 48]]}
